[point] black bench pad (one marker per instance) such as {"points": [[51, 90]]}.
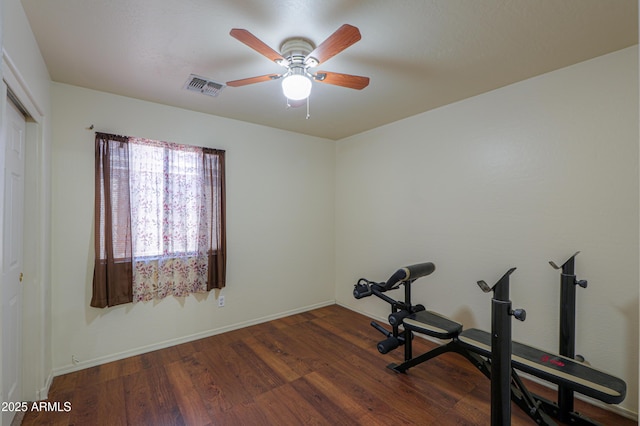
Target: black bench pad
{"points": [[553, 368], [432, 324]]}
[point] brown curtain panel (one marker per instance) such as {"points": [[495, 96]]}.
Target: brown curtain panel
{"points": [[113, 270], [214, 174]]}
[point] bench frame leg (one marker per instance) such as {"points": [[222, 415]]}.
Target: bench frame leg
{"points": [[529, 403]]}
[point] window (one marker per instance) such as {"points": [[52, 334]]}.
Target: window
{"points": [[160, 220]]}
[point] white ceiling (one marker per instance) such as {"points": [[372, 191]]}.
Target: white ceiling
{"points": [[419, 54]]}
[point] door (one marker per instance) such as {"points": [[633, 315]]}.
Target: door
{"points": [[13, 143]]}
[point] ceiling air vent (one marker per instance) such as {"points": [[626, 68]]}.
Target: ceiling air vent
{"points": [[203, 85]]}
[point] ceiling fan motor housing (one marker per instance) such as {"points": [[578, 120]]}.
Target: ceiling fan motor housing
{"points": [[295, 50]]}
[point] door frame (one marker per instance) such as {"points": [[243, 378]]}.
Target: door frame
{"points": [[36, 314]]}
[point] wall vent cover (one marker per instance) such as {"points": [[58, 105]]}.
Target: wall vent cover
{"points": [[203, 85]]}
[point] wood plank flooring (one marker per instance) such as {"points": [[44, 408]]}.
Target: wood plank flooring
{"points": [[315, 368]]}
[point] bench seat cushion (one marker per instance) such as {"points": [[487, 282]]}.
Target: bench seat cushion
{"points": [[432, 324], [553, 368]]}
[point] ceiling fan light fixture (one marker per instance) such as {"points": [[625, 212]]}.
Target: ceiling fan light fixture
{"points": [[297, 85], [298, 55]]}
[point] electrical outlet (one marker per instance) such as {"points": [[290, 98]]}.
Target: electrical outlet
{"points": [[220, 301]]}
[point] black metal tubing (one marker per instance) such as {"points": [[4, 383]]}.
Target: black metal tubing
{"points": [[381, 295], [552, 409], [404, 336], [452, 346], [567, 344], [567, 332], [408, 349], [501, 348], [568, 309], [500, 362], [501, 353], [529, 402]]}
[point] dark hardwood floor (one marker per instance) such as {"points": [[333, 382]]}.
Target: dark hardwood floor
{"points": [[316, 368]]}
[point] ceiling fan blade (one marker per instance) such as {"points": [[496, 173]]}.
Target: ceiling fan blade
{"points": [[345, 80], [252, 80], [256, 44], [342, 38]]}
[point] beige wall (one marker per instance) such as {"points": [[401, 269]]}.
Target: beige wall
{"points": [[516, 177], [519, 176], [280, 212]]}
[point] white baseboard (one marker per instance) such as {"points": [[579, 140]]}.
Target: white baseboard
{"points": [[624, 412], [184, 339], [44, 392]]}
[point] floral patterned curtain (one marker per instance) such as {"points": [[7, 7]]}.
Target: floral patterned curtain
{"points": [[177, 219]]}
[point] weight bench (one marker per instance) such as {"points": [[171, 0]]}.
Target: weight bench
{"points": [[476, 346]]}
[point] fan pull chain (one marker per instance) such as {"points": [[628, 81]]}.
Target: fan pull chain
{"points": [[308, 113]]}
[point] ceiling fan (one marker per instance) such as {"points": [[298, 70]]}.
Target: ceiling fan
{"points": [[298, 55]]}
